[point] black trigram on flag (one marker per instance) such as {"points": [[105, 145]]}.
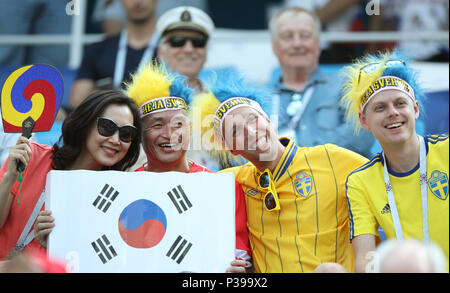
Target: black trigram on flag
{"points": [[179, 199], [103, 248], [179, 249], [107, 196]]}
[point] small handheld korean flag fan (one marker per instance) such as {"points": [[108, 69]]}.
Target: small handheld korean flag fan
{"points": [[30, 100]]}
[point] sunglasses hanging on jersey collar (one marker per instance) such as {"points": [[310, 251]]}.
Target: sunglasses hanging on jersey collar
{"points": [[265, 182]]}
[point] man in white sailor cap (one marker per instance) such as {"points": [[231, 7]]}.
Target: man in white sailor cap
{"points": [[185, 32]]}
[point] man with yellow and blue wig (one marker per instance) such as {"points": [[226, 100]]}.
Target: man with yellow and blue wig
{"points": [[295, 196], [163, 100], [404, 188]]}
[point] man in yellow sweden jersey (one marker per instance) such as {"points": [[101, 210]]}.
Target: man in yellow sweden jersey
{"points": [[382, 95], [295, 196]]}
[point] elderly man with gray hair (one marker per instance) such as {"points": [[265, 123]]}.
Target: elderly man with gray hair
{"points": [[307, 100]]}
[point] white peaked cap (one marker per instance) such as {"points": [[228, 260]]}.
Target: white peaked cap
{"points": [[185, 17]]}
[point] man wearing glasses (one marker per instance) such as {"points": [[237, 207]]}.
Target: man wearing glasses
{"points": [[295, 196], [184, 32], [307, 99], [403, 189]]}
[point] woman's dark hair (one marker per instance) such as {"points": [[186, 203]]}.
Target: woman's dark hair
{"points": [[76, 127]]}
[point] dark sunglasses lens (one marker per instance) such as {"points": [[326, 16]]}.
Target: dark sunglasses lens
{"points": [[198, 42], [269, 201], [177, 42], [127, 133], [264, 180], [106, 127]]}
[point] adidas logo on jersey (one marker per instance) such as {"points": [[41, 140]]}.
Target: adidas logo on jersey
{"points": [[386, 209]]}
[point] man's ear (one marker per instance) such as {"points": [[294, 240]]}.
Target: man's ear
{"points": [[416, 110], [363, 120]]}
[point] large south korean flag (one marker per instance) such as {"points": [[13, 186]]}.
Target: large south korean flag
{"points": [[110, 221]]}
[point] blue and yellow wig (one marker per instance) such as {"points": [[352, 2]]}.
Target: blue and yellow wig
{"points": [[357, 82], [204, 107], [153, 81]]}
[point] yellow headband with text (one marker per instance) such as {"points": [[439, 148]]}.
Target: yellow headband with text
{"points": [[386, 83], [162, 104]]}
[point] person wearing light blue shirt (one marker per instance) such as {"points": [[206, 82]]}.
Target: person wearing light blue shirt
{"points": [[307, 99]]}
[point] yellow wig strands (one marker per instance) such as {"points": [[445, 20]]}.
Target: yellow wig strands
{"points": [[203, 108], [150, 82], [352, 90]]}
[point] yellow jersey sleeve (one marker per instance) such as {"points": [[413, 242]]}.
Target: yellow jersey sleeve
{"points": [[361, 218]]}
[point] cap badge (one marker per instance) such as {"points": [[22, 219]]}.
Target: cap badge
{"points": [[185, 16]]}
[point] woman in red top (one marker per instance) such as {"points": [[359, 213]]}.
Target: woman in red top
{"points": [[101, 134]]}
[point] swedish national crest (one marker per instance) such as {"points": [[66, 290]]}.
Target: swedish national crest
{"points": [[303, 184], [438, 184]]}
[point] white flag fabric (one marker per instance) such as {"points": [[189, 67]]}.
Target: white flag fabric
{"points": [[139, 222]]}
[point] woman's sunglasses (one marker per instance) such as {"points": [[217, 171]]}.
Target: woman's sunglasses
{"points": [[265, 181], [106, 127], [372, 67], [180, 41]]}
